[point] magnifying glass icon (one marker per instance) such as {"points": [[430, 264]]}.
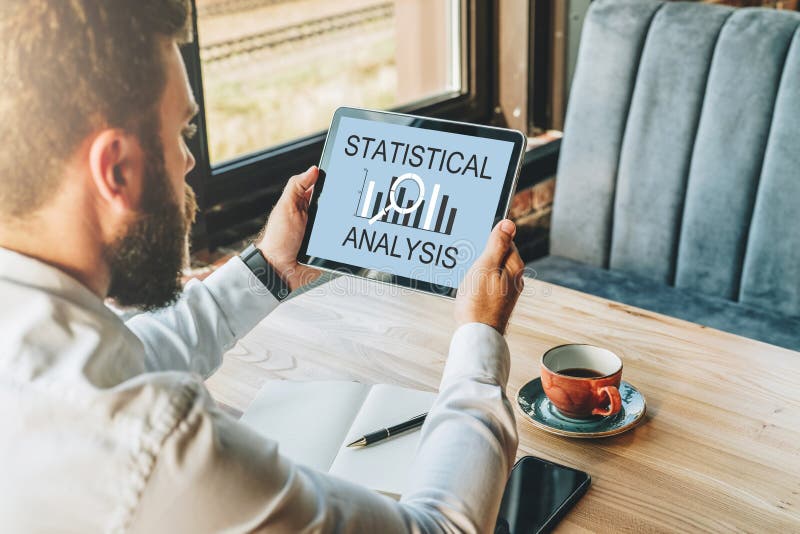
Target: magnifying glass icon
{"points": [[393, 199]]}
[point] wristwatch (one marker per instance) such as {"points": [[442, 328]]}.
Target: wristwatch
{"points": [[261, 269]]}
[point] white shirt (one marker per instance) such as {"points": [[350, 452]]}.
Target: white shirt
{"points": [[107, 426]]}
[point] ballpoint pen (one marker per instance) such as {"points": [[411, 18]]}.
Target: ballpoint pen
{"points": [[379, 435]]}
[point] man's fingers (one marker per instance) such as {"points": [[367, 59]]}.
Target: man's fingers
{"points": [[299, 185], [308, 193], [500, 240], [308, 178], [515, 268], [514, 263]]}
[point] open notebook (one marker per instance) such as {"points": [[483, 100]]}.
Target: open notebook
{"points": [[314, 421]]}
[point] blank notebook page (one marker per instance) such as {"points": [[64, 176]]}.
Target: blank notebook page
{"points": [[384, 466], [309, 420]]}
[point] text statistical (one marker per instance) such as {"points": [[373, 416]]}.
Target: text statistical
{"points": [[408, 201]]}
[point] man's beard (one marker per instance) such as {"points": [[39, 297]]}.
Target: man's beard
{"points": [[147, 261]]}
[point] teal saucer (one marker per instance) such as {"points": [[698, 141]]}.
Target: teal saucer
{"points": [[541, 412]]}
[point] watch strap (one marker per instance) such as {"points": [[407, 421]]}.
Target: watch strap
{"points": [[263, 271]]}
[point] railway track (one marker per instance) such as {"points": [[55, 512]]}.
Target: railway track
{"points": [[228, 7], [293, 33]]}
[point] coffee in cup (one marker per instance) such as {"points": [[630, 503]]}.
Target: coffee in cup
{"points": [[582, 380]]}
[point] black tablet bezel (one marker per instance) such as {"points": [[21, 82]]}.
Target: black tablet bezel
{"points": [[509, 185]]}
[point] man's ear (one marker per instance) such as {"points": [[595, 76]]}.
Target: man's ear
{"points": [[116, 164]]}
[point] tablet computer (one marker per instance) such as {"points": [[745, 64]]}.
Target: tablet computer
{"points": [[408, 200]]}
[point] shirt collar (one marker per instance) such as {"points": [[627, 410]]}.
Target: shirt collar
{"points": [[22, 269]]}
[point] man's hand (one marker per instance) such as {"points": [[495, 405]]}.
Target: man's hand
{"points": [[282, 236], [492, 286]]}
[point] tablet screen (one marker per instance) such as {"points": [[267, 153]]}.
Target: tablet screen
{"points": [[413, 202]]}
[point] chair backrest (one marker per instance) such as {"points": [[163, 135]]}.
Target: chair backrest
{"points": [[681, 153]]}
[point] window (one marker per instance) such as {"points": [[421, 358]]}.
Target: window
{"points": [[275, 70], [268, 75]]}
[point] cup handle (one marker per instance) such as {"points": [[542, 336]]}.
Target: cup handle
{"points": [[614, 401]]}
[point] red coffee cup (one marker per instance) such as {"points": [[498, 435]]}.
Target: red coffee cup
{"points": [[582, 380]]}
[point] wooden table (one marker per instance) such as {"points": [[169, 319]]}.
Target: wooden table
{"points": [[718, 451]]}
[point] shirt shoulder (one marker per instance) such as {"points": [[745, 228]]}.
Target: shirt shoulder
{"points": [[54, 337]]}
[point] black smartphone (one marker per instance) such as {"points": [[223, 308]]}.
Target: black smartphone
{"points": [[537, 496]]}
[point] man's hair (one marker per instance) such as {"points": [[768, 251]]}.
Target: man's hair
{"points": [[68, 68]]}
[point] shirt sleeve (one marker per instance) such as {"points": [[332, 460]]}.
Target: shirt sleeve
{"points": [[214, 474], [208, 319]]}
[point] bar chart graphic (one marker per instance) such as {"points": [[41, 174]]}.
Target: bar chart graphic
{"points": [[431, 213]]}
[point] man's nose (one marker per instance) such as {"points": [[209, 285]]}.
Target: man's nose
{"points": [[190, 161]]}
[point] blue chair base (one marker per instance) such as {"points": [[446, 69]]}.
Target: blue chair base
{"points": [[715, 312]]}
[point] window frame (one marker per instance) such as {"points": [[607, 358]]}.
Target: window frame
{"points": [[235, 196]]}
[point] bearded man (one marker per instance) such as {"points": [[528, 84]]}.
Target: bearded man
{"points": [[107, 425]]}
